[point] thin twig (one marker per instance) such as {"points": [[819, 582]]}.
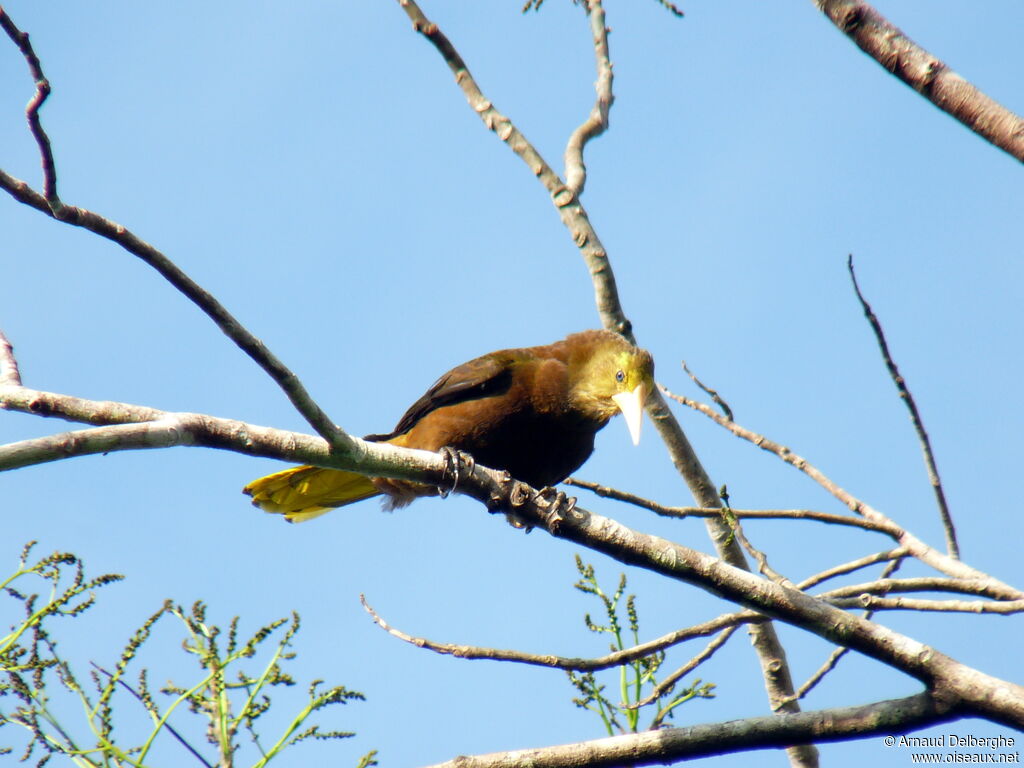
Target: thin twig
{"points": [[979, 587], [665, 685], [597, 122], [615, 659], [853, 565], [9, 373], [713, 394], [715, 512], [762, 559], [32, 109], [838, 653], [926, 74], [874, 603], [819, 674], [167, 725], [915, 416]]}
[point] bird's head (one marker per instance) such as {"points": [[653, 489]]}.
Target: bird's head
{"points": [[609, 376]]}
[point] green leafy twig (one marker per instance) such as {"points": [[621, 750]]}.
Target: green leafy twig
{"points": [[635, 676], [225, 697]]}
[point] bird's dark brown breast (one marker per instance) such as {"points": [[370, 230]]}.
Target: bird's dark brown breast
{"points": [[538, 448]]}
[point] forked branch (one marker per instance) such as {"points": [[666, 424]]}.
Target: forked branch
{"points": [[49, 203]]}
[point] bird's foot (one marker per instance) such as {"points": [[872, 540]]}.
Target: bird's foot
{"points": [[454, 460], [513, 494], [557, 506]]}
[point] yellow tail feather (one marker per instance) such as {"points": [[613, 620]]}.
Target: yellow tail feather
{"points": [[302, 493]]}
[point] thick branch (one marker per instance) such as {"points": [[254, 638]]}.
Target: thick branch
{"points": [[902, 57], [675, 744], [144, 427], [954, 683]]}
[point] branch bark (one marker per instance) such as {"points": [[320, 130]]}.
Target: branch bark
{"points": [[675, 744], [926, 74]]}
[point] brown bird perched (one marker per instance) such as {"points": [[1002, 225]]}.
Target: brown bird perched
{"points": [[533, 412]]}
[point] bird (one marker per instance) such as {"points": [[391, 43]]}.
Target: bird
{"points": [[532, 412]]}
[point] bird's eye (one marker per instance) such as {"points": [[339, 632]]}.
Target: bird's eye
{"points": [[620, 376]]}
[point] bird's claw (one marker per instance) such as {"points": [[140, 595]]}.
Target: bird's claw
{"points": [[453, 460], [557, 505]]}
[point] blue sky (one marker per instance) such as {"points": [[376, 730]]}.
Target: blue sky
{"points": [[315, 167]]}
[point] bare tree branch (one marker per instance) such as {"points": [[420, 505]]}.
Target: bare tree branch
{"points": [[916, 547], [675, 744], [908, 399], [597, 122], [902, 57], [873, 603], [35, 125], [713, 394], [475, 652], [9, 373], [759, 556], [229, 325], [837, 654], [162, 433], [50, 204], [954, 683], [980, 587], [853, 565], [711, 512]]}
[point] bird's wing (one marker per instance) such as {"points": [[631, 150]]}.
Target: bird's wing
{"points": [[483, 377]]}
